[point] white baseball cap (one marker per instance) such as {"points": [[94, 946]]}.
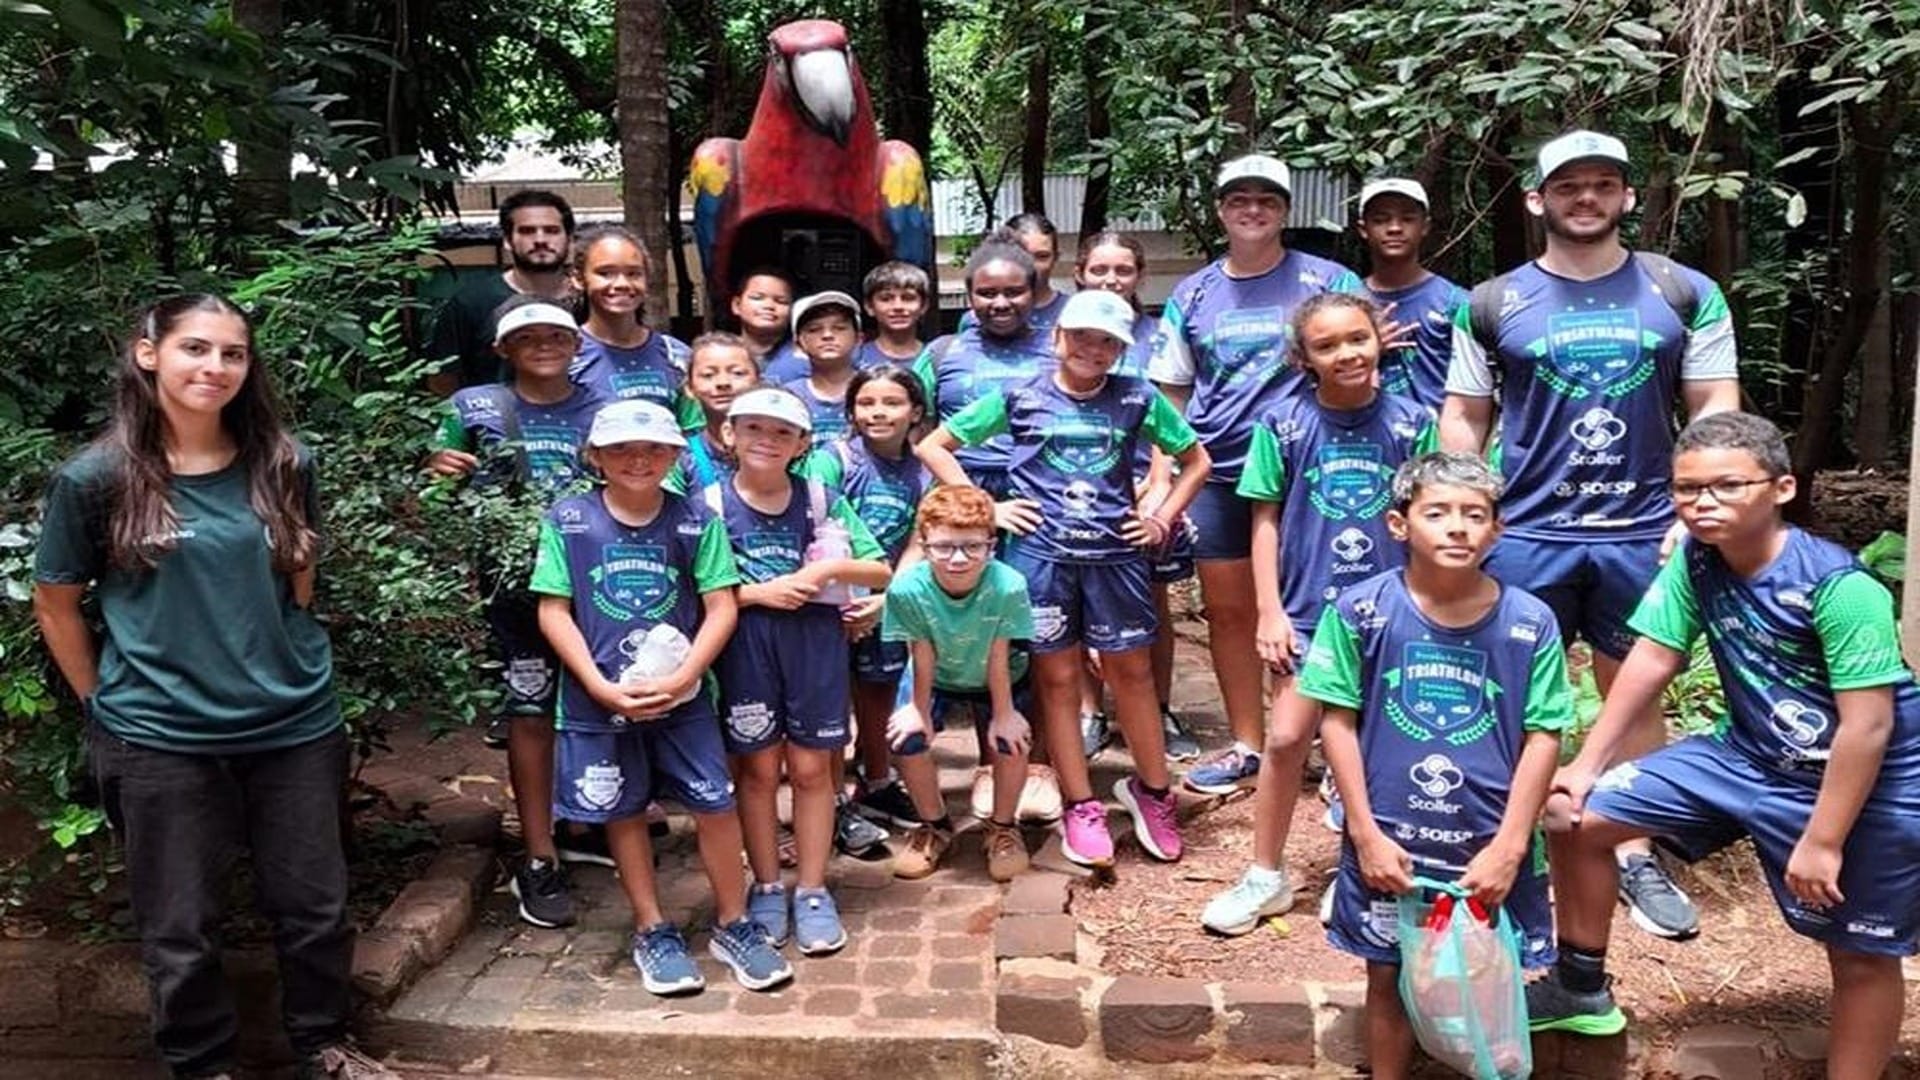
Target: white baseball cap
{"points": [[1098, 309], [533, 315], [1263, 169], [1392, 185], [1576, 147], [773, 403], [633, 420], [830, 298]]}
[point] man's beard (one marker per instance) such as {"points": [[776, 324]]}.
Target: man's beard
{"points": [[1554, 224]]}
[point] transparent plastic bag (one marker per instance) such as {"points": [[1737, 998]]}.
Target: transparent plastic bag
{"points": [[1461, 982], [656, 653]]}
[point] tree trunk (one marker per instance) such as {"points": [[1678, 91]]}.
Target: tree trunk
{"points": [[1812, 178], [907, 110], [640, 73], [1095, 52], [1033, 146], [1513, 241], [263, 156], [1239, 93], [1873, 419], [1870, 128]]}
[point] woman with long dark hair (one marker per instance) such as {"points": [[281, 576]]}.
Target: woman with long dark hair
{"points": [[213, 724]]}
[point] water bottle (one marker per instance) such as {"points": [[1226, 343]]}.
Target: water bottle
{"points": [[831, 541]]}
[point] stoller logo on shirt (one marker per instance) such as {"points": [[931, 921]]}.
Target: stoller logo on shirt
{"points": [[1435, 777], [1798, 725], [1593, 431]]}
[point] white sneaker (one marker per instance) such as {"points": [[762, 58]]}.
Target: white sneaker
{"points": [[1239, 908]]}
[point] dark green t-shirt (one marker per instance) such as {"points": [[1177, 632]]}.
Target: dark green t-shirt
{"points": [[207, 653], [463, 332]]}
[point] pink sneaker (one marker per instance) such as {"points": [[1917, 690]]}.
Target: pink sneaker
{"points": [[1083, 834], [1153, 819]]}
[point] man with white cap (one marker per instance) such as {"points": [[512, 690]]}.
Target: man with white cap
{"points": [[1393, 221], [1589, 346], [1222, 358]]}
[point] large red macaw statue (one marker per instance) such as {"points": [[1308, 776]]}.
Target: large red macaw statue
{"points": [[812, 189]]}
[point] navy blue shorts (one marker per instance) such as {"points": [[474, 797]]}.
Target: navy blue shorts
{"points": [[1175, 563], [1592, 586], [877, 661], [785, 675], [1105, 606], [528, 664], [1367, 923], [1222, 523], [974, 706], [602, 776], [1699, 795]]}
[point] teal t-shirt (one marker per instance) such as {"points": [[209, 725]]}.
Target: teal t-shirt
{"points": [[962, 628], [206, 653]]}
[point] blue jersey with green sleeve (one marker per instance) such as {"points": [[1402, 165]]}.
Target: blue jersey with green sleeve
{"points": [[1073, 455], [829, 414], [1226, 337], [623, 580], [1810, 623], [551, 434], [955, 371], [884, 491], [1332, 472], [1443, 711], [768, 546]]}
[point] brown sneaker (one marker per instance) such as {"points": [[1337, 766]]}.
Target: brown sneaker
{"points": [[1006, 852], [921, 856]]}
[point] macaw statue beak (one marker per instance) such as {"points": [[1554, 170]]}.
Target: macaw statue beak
{"points": [[823, 83]]}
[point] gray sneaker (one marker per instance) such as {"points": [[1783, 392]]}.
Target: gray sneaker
{"points": [[1181, 745], [1553, 1007], [666, 967], [755, 963], [1654, 902], [855, 835], [1095, 732]]}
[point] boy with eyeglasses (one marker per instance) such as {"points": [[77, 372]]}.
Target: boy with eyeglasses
{"points": [[1818, 759], [961, 613]]}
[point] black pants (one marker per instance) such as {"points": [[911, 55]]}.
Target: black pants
{"points": [[183, 819]]}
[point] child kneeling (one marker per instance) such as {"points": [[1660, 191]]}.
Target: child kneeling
{"points": [[1818, 760], [960, 612], [636, 597], [1445, 693]]}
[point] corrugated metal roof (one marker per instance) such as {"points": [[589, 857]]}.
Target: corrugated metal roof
{"points": [[1319, 201]]}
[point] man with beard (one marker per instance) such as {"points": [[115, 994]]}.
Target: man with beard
{"points": [[1589, 346], [537, 229]]}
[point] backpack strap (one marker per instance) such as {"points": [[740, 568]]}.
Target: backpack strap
{"points": [[1673, 285], [710, 493], [1483, 311], [507, 404], [705, 472], [845, 453]]}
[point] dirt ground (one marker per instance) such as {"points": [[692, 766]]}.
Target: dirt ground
{"points": [[1745, 967], [1853, 507]]}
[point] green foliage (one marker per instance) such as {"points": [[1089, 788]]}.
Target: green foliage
{"points": [[1694, 703]]}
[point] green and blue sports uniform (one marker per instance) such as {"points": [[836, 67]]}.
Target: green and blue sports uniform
{"points": [[1811, 623], [1444, 713]]}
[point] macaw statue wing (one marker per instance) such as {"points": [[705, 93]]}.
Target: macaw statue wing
{"points": [[713, 178], [906, 202]]}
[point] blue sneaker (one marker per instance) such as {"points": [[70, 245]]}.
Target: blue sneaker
{"points": [[743, 947], [816, 923], [767, 905], [1335, 819], [1224, 772], [665, 965]]}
